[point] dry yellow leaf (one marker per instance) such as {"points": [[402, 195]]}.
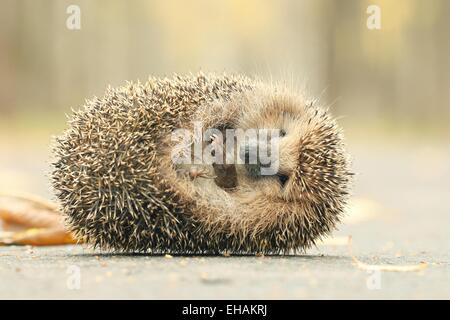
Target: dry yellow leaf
{"points": [[38, 237], [20, 212], [31, 220]]}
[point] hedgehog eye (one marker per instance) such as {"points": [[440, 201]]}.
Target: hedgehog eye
{"points": [[282, 133], [283, 179]]}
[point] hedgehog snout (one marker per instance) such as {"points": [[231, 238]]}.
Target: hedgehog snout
{"points": [[260, 159], [248, 151]]}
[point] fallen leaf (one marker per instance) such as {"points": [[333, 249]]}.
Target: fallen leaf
{"points": [[21, 212], [38, 237], [31, 220]]}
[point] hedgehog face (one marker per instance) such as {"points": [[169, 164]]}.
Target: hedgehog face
{"points": [[285, 115], [310, 158]]}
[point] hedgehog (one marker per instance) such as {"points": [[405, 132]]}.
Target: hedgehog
{"points": [[119, 188]]}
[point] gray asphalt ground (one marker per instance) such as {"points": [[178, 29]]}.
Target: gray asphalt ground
{"points": [[402, 218]]}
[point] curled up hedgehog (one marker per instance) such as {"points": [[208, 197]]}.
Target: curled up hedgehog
{"points": [[120, 187]]}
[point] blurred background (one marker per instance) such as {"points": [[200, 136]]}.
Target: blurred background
{"points": [[389, 87]]}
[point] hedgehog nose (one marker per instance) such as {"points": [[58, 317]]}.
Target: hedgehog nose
{"points": [[244, 153], [248, 151]]}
